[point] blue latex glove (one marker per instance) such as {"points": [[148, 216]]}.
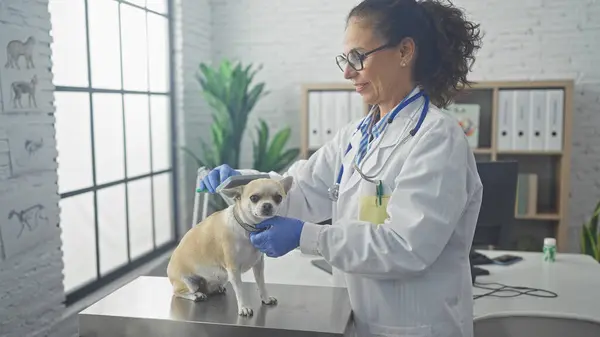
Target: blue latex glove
{"points": [[280, 236], [215, 177]]}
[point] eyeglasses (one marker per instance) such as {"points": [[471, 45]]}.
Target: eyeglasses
{"points": [[355, 58]]}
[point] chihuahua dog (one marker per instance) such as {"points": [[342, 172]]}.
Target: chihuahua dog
{"points": [[218, 250]]}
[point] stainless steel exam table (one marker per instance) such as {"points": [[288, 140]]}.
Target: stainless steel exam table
{"points": [[146, 307]]}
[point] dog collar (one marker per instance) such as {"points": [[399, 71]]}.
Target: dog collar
{"points": [[247, 227]]}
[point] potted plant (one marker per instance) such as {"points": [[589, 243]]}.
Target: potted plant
{"points": [[272, 157], [590, 237], [229, 91]]}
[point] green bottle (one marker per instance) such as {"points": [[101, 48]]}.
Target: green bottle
{"points": [[549, 249]]}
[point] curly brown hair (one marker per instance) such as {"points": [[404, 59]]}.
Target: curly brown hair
{"points": [[445, 40]]}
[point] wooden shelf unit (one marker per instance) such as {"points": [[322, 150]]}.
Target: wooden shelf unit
{"points": [[486, 93], [305, 151]]}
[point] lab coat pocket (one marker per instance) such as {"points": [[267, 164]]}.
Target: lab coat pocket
{"points": [[372, 209], [396, 331]]}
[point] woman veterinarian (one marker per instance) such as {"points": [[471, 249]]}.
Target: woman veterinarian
{"points": [[400, 185]]}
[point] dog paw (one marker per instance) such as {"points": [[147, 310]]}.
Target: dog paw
{"points": [[221, 290], [269, 301], [198, 297], [245, 311]]}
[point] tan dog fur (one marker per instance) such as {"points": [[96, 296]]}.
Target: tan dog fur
{"points": [[218, 249]]}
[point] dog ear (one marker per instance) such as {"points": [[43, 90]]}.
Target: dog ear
{"points": [[234, 193], [287, 183]]}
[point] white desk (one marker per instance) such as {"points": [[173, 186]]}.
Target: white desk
{"points": [[575, 278]]}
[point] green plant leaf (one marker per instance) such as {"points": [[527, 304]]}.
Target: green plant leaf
{"points": [[219, 137], [258, 147], [598, 248], [254, 95], [593, 245], [590, 238], [586, 241], [211, 157], [278, 144], [269, 157], [211, 82], [199, 162], [216, 202], [238, 91], [286, 159], [219, 108], [263, 140], [594, 219], [258, 90]]}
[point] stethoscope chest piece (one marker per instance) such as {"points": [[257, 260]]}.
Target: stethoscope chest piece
{"points": [[334, 192]]}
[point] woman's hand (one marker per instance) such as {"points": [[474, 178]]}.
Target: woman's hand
{"points": [[216, 177], [280, 236]]}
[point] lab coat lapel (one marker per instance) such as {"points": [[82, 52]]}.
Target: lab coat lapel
{"points": [[374, 157], [395, 133], [351, 177], [371, 158]]}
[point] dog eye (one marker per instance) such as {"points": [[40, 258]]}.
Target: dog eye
{"points": [[254, 198], [277, 198]]}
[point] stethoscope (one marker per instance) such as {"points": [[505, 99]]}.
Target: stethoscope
{"points": [[334, 190]]}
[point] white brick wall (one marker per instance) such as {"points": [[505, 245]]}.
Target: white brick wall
{"points": [[525, 40], [296, 41], [31, 289], [193, 46]]}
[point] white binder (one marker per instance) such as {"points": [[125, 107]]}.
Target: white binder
{"points": [[357, 105], [504, 122], [554, 120], [328, 113], [521, 121], [342, 110], [537, 120], [314, 120]]}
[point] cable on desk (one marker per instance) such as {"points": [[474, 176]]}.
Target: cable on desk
{"points": [[513, 291]]}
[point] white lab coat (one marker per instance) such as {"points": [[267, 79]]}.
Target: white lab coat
{"points": [[409, 276]]}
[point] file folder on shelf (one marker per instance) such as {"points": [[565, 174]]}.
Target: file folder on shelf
{"points": [[328, 114], [357, 106], [520, 127], [342, 113], [314, 120], [537, 120], [554, 120], [505, 118], [530, 120]]}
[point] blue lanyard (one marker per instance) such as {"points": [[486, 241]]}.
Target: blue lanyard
{"points": [[393, 114]]}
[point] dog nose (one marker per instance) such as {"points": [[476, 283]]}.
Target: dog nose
{"points": [[267, 207]]}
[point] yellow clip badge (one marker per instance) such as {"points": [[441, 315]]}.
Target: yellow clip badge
{"points": [[373, 209]]}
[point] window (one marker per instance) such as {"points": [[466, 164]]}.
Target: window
{"points": [[111, 66]]}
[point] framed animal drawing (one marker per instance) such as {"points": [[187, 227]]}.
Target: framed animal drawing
{"points": [[25, 221], [21, 73]]}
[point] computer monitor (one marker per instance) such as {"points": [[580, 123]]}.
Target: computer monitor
{"points": [[497, 212]]}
